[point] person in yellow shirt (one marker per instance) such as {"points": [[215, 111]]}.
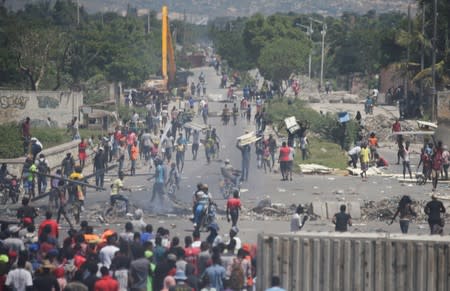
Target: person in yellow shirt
{"points": [[365, 159], [134, 153], [116, 187], [75, 190]]}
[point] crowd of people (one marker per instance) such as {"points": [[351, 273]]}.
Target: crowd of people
{"points": [[39, 257]]}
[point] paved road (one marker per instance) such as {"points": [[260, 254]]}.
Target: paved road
{"points": [[304, 189]]}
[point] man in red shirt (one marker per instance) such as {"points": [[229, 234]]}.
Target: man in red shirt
{"points": [[283, 159], [436, 164], [191, 253], [51, 222], [106, 282], [233, 208]]}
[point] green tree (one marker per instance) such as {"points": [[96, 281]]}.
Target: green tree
{"points": [[281, 58]]}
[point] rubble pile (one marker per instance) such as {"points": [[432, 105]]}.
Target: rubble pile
{"points": [[266, 208], [382, 126], [385, 209]]}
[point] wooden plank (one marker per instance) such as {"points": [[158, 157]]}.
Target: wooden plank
{"points": [[419, 132], [245, 136], [195, 126], [249, 140], [426, 124]]}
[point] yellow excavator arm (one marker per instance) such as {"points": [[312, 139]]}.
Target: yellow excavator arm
{"points": [[168, 67], [168, 56]]}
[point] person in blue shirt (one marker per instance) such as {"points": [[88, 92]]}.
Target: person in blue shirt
{"points": [[180, 150], [160, 180], [216, 273]]}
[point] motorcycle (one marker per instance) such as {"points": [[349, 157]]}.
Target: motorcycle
{"points": [[227, 186], [208, 216], [10, 190]]}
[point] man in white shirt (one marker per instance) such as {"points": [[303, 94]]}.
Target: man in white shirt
{"points": [[354, 155], [19, 279], [298, 219], [107, 253]]}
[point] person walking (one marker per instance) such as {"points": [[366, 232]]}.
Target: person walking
{"points": [[160, 180], [436, 164], [82, 155], [445, 161], [134, 154], [406, 213], [272, 144], [433, 209], [99, 167], [245, 154], [67, 165], [342, 220], [233, 208], [283, 159], [42, 169], [304, 146], [406, 161], [195, 143], [364, 159]]}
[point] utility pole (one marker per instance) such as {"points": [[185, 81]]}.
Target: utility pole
{"points": [[148, 22], [406, 79], [309, 32], [422, 52], [323, 33], [433, 67], [78, 12]]}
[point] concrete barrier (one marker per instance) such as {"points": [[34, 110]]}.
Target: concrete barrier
{"points": [[323, 261], [54, 156]]}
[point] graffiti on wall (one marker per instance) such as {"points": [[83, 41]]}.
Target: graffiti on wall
{"points": [[13, 102], [47, 102]]}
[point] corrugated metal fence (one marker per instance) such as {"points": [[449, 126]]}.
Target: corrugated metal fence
{"points": [[308, 261]]}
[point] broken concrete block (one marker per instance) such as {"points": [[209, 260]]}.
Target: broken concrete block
{"points": [[319, 208]]}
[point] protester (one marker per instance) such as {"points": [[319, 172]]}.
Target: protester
{"points": [[433, 209], [298, 219], [341, 220], [233, 208], [406, 213]]}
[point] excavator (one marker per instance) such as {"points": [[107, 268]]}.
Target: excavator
{"points": [[170, 78]]}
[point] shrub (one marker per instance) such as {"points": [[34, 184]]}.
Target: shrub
{"points": [[12, 143], [326, 126]]}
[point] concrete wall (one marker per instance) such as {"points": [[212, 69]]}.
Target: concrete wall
{"points": [[313, 261], [54, 155], [59, 106]]}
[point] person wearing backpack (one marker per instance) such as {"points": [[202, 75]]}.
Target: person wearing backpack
{"points": [[42, 169]]}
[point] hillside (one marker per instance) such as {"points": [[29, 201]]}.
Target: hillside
{"points": [[215, 8]]}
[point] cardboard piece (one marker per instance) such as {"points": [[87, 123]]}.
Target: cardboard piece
{"points": [[291, 124]]}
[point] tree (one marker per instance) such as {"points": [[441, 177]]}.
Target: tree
{"points": [[33, 54], [282, 57]]}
